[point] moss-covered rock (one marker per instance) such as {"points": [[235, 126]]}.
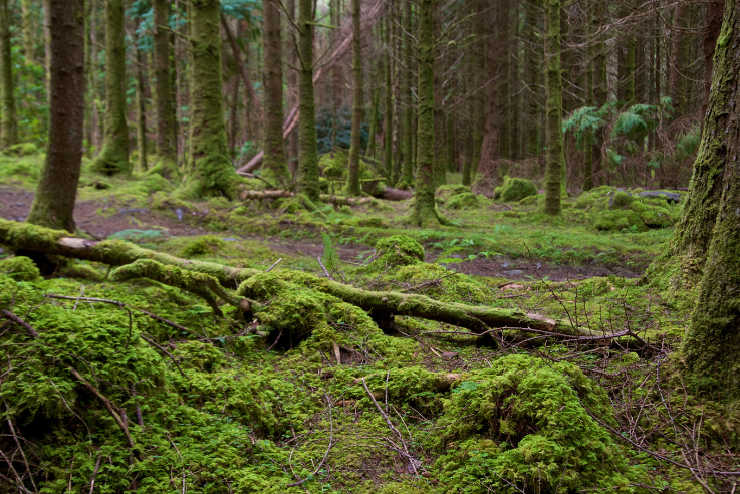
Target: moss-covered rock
{"points": [[206, 244], [514, 189], [618, 220], [528, 427], [465, 200], [620, 199], [611, 209], [20, 268], [397, 250]]}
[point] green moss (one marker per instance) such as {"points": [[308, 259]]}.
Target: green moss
{"points": [[20, 268], [618, 220], [22, 149], [206, 244], [397, 250], [514, 189], [465, 200], [441, 283], [620, 200], [526, 423]]}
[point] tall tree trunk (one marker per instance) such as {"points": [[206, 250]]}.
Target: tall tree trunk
{"points": [[709, 41], [712, 348], [554, 109], [210, 170], [388, 106], [28, 26], [274, 160], [114, 157], [308, 161], [425, 211], [291, 78], [353, 175], [164, 93], [8, 119], [54, 202], [141, 127], [408, 99]]}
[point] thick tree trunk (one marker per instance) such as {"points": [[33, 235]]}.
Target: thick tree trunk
{"points": [[308, 161], [114, 157], [712, 348], [425, 211], [164, 93], [8, 119], [353, 173], [210, 170], [273, 82], [55, 195], [554, 109]]}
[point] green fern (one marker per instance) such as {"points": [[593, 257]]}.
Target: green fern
{"points": [[584, 123], [688, 144]]}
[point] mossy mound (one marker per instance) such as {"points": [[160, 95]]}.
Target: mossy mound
{"points": [[612, 209], [20, 268], [207, 244], [444, 192], [439, 282], [396, 250], [528, 428], [514, 189], [465, 200], [294, 312], [22, 149]]}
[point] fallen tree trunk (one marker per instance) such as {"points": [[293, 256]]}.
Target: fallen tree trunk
{"points": [[389, 194], [279, 194], [28, 239]]}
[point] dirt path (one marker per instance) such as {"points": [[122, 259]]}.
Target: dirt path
{"points": [[101, 219]]}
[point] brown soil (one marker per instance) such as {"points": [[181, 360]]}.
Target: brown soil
{"points": [[100, 219]]}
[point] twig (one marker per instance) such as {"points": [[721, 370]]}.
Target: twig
{"points": [[326, 453], [275, 342], [94, 474], [404, 450], [20, 448], [272, 266], [163, 350], [318, 259], [12, 317]]}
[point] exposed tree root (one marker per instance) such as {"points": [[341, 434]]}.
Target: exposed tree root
{"points": [[207, 279]]}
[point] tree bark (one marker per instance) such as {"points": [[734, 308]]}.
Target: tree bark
{"points": [[166, 114], [8, 118], [273, 82], [425, 211], [554, 109], [712, 348], [210, 169], [54, 202], [114, 156], [308, 161], [353, 175]]}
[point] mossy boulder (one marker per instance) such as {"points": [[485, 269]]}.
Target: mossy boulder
{"points": [[397, 250], [465, 200], [207, 244], [528, 423], [612, 209], [20, 268], [514, 189]]}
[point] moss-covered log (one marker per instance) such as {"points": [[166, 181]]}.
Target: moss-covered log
{"points": [[382, 305]]}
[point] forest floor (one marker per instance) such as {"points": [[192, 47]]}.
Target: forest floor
{"points": [[215, 404]]}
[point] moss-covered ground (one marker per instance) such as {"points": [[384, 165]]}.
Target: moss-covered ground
{"points": [[312, 395]]}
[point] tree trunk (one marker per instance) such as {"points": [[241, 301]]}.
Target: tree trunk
{"points": [[114, 157], [29, 28], [554, 109], [273, 82], [712, 348], [291, 78], [388, 113], [54, 202], [166, 113], [353, 175], [210, 170], [308, 161], [141, 125], [8, 119], [408, 100], [425, 211]]}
